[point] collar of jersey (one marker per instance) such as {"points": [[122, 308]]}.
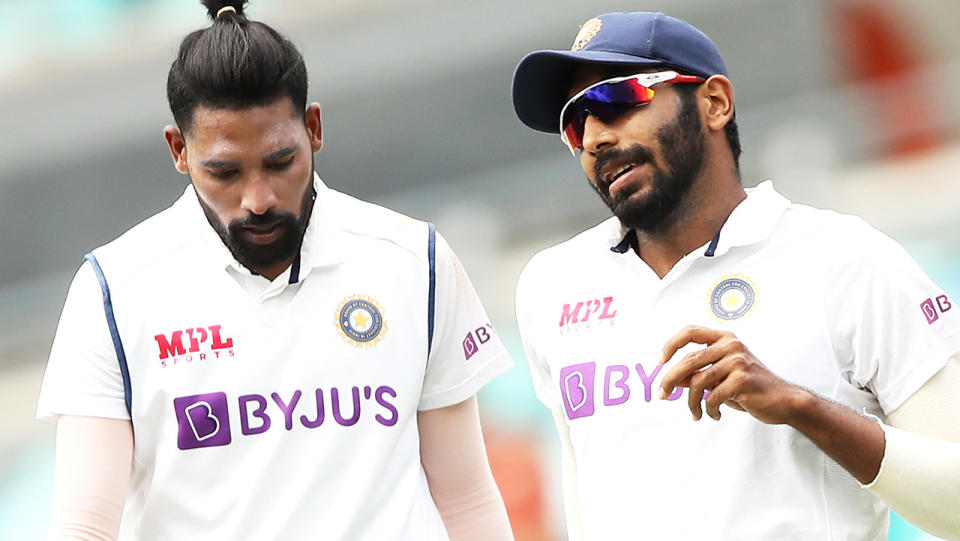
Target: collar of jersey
{"points": [[752, 221], [322, 245]]}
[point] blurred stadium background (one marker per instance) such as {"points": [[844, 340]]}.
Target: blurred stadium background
{"points": [[846, 104]]}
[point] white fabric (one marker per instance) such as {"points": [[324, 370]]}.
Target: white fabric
{"points": [[836, 307], [920, 474], [568, 469], [226, 385], [455, 461]]}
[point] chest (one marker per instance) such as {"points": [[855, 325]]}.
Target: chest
{"points": [[601, 337], [348, 345]]}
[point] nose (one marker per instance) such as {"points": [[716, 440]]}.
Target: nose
{"points": [[258, 195], [597, 134]]}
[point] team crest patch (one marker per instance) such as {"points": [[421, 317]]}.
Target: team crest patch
{"points": [[587, 32], [360, 321], [732, 297]]}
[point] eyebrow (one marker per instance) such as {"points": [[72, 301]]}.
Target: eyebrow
{"points": [[273, 156]]}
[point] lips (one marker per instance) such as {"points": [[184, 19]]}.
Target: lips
{"points": [[263, 234], [614, 173]]}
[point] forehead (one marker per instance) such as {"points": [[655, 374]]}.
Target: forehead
{"points": [[585, 75], [272, 121]]}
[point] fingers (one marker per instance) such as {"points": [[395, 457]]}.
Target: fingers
{"points": [[703, 382], [690, 333], [725, 345], [725, 391]]}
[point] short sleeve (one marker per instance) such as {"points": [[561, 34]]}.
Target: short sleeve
{"points": [[83, 375], [543, 385], [892, 327], [465, 352]]}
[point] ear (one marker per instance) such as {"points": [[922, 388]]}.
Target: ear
{"points": [[178, 147], [718, 91], [314, 123]]}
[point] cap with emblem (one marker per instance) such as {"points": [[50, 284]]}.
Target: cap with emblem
{"points": [[638, 39]]}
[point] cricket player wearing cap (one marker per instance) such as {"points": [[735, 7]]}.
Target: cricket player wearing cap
{"points": [[268, 358], [828, 360]]}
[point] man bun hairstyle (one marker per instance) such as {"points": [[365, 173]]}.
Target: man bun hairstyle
{"points": [[235, 63]]}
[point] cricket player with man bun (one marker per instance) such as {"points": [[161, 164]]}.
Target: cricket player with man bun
{"points": [[268, 358], [828, 362]]}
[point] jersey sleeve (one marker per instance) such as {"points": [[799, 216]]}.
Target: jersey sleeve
{"points": [[465, 352], [83, 374], [892, 327], [527, 318]]}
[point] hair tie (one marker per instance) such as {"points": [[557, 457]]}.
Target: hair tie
{"points": [[225, 9]]}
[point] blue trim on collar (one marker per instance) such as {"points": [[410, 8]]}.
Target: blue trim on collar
{"points": [[432, 287], [295, 270], [712, 249], [629, 241], [114, 332]]}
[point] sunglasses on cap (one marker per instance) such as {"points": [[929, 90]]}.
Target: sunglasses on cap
{"points": [[609, 99]]}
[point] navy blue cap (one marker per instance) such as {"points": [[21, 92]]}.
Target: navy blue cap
{"points": [[642, 39]]}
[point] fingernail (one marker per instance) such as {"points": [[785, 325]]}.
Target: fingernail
{"points": [[663, 393]]}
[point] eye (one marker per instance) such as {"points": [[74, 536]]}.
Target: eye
{"points": [[279, 166], [224, 174]]}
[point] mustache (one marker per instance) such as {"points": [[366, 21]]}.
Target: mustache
{"points": [[258, 220], [636, 153]]}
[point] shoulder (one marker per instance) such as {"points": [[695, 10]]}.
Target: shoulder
{"points": [[367, 222], [841, 237], [151, 242], [577, 255]]}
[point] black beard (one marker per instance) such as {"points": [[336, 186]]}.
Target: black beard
{"points": [[683, 145], [256, 257]]}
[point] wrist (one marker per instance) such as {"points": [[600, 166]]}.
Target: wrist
{"points": [[803, 407]]}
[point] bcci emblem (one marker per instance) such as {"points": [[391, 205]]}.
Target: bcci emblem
{"points": [[732, 297], [587, 32], [360, 321]]}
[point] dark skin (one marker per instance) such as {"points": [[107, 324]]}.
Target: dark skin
{"points": [[250, 161], [725, 367]]}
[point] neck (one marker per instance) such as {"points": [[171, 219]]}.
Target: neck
{"points": [[697, 219]]}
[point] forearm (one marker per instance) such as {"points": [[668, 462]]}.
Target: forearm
{"points": [[920, 480], [455, 462], [474, 512], [855, 442], [92, 471], [920, 475]]}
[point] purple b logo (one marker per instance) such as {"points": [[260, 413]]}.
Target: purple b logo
{"points": [[203, 420], [576, 387], [469, 346]]}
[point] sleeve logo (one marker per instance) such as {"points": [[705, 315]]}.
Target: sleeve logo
{"points": [[475, 339], [933, 307]]}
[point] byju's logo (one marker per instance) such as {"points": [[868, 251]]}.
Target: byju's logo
{"points": [[475, 339], [578, 390], [576, 386], [203, 420], [930, 308]]}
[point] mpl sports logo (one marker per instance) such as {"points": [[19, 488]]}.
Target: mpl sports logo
{"points": [[204, 342], [933, 307], [203, 420], [580, 315]]}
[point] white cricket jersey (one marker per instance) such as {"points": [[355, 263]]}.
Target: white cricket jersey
{"points": [[287, 411], [820, 298]]}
